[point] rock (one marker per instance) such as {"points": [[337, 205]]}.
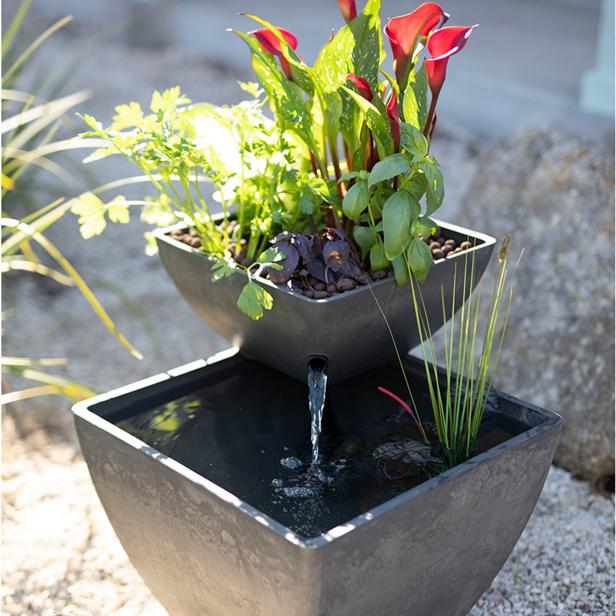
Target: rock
{"points": [[437, 254], [345, 284], [553, 193]]}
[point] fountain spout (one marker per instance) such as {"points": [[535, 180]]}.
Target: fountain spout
{"points": [[317, 390]]}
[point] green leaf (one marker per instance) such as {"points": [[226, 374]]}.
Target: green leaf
{"points": [[345, 176], [435, 185], [378, 260], [420, 259], [401, 270], [365, 237], [168, 101], [413, 141], [319, 187], [254, 300], [334, 61], [368, 52], [127, 116], [377, 123], [392, 166], [416, 186], [91, 212], [91, 121], [332, 110], [356, 200], [415, 101], [272, 257], [158, 211], [223, 268], [425, 226], [307, 204], [118, 210], [286, 98], [399, 212], [251, 87]]}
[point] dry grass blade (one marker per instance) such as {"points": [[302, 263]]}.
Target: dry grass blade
{"points": [[52, 384], [26, 394], [52, 109], [26, 265], [31, 233], [27, 361]]}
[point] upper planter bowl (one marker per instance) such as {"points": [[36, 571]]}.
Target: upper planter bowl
{"points": [[347, 329]]}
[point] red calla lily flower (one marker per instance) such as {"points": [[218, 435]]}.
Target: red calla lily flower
{"points": [[348, 9], [443, 44], [362, 85], [404, 31], [271, 43], [394, 119]]}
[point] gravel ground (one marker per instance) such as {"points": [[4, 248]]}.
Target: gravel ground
{"points": [[60, 555]]}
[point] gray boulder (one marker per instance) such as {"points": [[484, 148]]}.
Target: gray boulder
{"points": [[555, 195]]}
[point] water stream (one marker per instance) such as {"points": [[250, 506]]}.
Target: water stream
{"points": [[317, 391]]}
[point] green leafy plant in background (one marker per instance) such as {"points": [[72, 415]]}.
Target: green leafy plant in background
{"points": [[29, 128], [472, 345], [347, 153]]}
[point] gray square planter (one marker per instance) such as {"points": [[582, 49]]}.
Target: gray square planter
{"points": [[431, 551], [297, 328]]}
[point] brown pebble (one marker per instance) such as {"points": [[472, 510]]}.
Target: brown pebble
{"points": [[195, 242], [177, 233], [378, 275], [345, 284], [320, 294], [451, 242], [192, 231], [437, 254], [465, 245], [331, 288], [441, 241], [434, 245], [364, 278], [447, 248], [308, 293]]}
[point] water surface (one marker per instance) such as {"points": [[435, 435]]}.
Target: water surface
{"points": [[248, 429]]}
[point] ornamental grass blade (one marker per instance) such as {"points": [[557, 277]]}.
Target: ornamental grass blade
{"points": [[33, 47]]}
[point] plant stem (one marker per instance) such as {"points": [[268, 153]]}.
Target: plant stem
{"points": [[431, 111]]}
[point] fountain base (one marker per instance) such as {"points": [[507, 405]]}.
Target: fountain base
{"points": [[205, 475]]}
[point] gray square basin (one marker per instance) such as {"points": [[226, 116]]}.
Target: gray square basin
{"points": [[207, 544]]}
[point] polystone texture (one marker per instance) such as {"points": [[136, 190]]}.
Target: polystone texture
{"points": [[348, 329], [555, 195], [431, 551]]}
